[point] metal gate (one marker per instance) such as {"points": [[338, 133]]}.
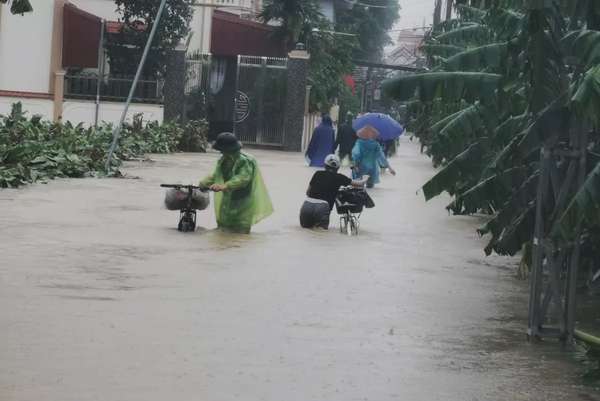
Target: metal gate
{"points": [[197, 84], [259, 103]]}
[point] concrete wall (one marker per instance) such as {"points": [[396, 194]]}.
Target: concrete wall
{"points": [[78, 111], [201, 27], [43, 107], [102, 8], [26, 48]]}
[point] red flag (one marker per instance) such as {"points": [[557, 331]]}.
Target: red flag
{"points": [[349, 81]]}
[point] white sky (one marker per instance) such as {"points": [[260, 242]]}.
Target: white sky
{"points": [[413, 13]]}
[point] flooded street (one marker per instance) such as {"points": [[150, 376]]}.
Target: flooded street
{"points": [[102, 299]]}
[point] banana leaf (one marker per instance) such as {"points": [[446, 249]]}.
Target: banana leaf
{"points": [[475, 33], [515, 234], [490, 193], [432, 49], [489, 57], [585, 207], [584, 46], [450, 86], [469, 13], [586, 100], [446, 178]]}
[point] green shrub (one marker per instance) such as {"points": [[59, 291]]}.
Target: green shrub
{"points": [[32, 149]]}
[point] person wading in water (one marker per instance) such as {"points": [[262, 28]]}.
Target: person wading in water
{"points": [[241, 197], [321, 194]]}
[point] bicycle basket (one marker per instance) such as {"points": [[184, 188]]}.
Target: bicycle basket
{"points": [[176, 199]]}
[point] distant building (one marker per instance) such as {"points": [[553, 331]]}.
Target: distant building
{"points": [[408, 48]]}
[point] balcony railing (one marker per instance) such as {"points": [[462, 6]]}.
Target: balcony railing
{"points": [[113, 88]]}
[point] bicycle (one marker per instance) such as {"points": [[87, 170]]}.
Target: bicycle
{"points": [[187, 203], [349, 204]]}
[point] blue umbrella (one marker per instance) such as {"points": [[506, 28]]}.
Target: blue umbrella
{"points": [[388, 128]]}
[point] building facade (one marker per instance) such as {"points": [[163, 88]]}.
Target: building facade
{"points": [[31, 58]]}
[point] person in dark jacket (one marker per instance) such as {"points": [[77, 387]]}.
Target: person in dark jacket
{"points": [[322, 143], [322, 191], [346, 138]]}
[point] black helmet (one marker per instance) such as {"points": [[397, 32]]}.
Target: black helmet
{"points": [[227, 143]]}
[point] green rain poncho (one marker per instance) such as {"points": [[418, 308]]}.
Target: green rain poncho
{"points": [[246, 201]]}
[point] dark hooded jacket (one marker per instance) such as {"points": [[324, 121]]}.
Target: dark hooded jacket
{"points": [[322, 143]]}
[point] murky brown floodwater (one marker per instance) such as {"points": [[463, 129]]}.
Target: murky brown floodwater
{"points": [[102, 299]]}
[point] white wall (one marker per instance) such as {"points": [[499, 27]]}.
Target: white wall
{"points": [[26, 47], [78, 111], [83, 111], [43, 107], [201, 27], [105, 9]]}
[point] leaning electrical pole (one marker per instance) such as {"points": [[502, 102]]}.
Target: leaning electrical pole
{"points": [[117, 130]]}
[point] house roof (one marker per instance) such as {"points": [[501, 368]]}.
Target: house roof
{"points": [[232, 36], [81, 37]]}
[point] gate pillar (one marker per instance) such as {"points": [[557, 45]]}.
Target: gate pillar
{"points": [[174, 90], [295, 99]]}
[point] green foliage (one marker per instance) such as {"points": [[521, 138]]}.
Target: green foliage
{"points": [[507, 79], [35, 150], [194, 137], [297, 18], [371, 25], [125, 49], [332, 55], [19, 6]]}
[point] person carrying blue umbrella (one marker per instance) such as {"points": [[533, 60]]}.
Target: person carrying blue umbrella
{"points": [[368, 155]]}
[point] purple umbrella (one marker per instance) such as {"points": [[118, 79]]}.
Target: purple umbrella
{"points": [[388, 128]]}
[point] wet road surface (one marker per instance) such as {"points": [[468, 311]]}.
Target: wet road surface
{"points": [[102, 299]]}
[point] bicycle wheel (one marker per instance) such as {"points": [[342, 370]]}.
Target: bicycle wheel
{"points": [[354, 226], [343, 224], [349, 225]]}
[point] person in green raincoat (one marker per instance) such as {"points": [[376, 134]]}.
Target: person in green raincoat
{"points": [[241, 197]]}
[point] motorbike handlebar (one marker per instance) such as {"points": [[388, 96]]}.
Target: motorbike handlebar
{"points": [[181, 186]]}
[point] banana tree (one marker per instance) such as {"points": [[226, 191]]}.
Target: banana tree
{"points": [[519, 79]]}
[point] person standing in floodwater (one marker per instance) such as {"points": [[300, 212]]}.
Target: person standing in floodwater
{"points": [[346, 138], [322, 143], [241, 197], [368, 156]]}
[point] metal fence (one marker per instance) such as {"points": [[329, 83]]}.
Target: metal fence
{"points": [[259, 104], [197, 85], [113, 88]]}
